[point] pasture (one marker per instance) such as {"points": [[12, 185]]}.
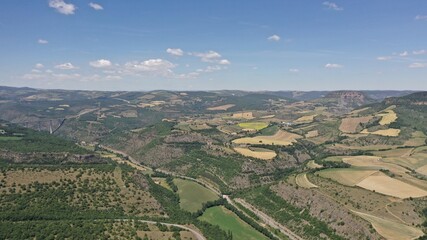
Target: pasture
{"points": [[260, 153], [228, 221], [192, 195], [281, 138]]}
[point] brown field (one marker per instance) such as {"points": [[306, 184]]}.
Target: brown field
{"points": [[264, 154], [302, 181], [422, 170], [391, 132], [386, 185], [346, 176], [391, 230], [349, 125], [388, 117], [243, 115], [221, 108], [282, 138], [312, 134], [306, 119]]}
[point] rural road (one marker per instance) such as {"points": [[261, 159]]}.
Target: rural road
{"points": [[269, 220]]}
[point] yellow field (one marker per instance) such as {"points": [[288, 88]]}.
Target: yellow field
{"points": [[386, 185], [268, 116], [306, 119], [359, 110], [243, 115], [221, 108], [391, 132], [302, 181], [312, 134], [253, 125], [374, 162], [313, 165], [388, 117], [346, 176], [349, 125], [391, 230], [265, 154], [282, 138], [422, 170]]}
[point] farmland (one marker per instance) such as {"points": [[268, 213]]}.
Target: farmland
{"points": [[260, 153], [192, 195], [228, 221], [280, 138], [253, 125]]}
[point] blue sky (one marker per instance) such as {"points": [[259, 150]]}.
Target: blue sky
{"points": [[208, 45]]}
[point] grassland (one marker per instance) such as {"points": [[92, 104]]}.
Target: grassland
{"points": [[228, 221], [391, 230], [282, 138], [260, 153], [9, 138], [192, 195], [253, 125]]}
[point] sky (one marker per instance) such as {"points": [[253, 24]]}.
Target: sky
{"points": [[140, 45]]}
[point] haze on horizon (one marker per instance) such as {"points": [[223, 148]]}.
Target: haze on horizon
{"points": [[211, 45]]}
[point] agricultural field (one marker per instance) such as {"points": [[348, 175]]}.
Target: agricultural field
{"points": [[243, 115], [228, 221], [391, 132], [253, 125], [388, 117], [346, 176], [302, 181], [192, 195], [260, 153], [351, 125], [282, 138], [221, 108], [306, 119]]}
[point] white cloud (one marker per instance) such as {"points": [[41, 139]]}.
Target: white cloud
{"points": [[95, 6], [175, 51], [154, 66], [224, 62], [39, 65], [62, 76], [62, 7], [274, 38], [333, 65], [421, 17], [333, 6], [419, 52], [383, 58], [66, 66], [418, 65], [294, 70], [404, 54], [101, 63], [36, 71], [210, 56], [113, 77], [42, 41]]}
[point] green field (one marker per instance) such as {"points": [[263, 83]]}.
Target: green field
{"points": [[228, 221], [3, 138], [192, 195], [253, 125]]}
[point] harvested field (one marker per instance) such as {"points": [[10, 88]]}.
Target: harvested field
{"points": [[312, 134], [386, 185], [260, 153], [375, 163], [391, 230], [229, 129], [243, 115], [388, 117], [302, 181], [357, 111], [267, 116], [282, 138], [422, 170], [391, 132], [253, 125], [221, 108], [350, 125], [306, 119], [313, 165], [346, 176]]}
